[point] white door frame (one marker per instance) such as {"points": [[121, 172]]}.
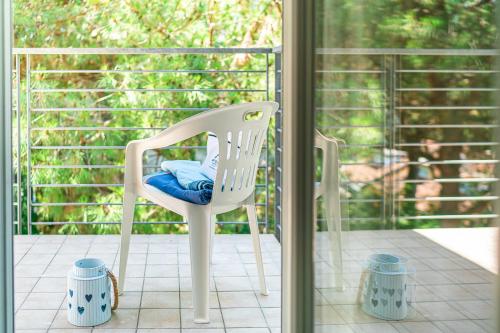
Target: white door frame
{"points": [[298, 167], [6, 222]]}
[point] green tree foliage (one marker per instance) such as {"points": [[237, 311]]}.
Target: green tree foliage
{"points": [[131, 24], [414, 24]]}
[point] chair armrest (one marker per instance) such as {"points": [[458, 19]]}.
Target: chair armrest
{"points": [[177, 133]]}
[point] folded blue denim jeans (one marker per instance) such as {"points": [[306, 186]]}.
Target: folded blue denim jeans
{"points": [[168, 183]]}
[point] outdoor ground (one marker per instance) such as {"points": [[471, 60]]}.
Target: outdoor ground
{"points": [[454, 293]]}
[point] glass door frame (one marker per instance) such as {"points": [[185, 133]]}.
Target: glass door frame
{"points": [[298, 167], [6, 224]]}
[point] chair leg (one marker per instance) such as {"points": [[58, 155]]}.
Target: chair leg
{"points": [[254, 230], [334, 222], [127, 222], [213, 224], [199, 242]]}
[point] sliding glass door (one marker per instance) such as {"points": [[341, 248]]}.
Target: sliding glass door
{"points": [[405, 118]]}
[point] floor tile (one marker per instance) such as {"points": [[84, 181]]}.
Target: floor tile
{"points": [[233, 284], [333, 328], [29, 270], [125, 318], [159, 318], [162, 259], [417, 327], [187, 317], [43, 301], [475, 309], [158, 271], [50, 285], [130, 300], [19, 299], [272, 316], [34, 319], [24, 284], [239, 317], [354, 314], [272, 300], [439, 311], [238, 299], [459, 326], [373, 328], [160, 300], [161, 284], [248, 330], [326, 315], [187, 300]]}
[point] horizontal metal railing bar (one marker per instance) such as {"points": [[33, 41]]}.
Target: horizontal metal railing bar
{"points": [[450, 180], [110, 90], [469, 198], [447, 89], [444, 71], [408, 51], [99, 166], [351, 126], [353, 218], [349, 90], [450, 217], [446, 144], [350, 71], [106, 147], [366, 182], [447, 126], [135, 222], [447, 107], [361, 200], [147, 71], [361, 145], [113, 147], [65, 204], [107, 109], [93, 185], [375, 164], [99, 128], [140, 51], [263, 50], [348, 108], [453, 162]]}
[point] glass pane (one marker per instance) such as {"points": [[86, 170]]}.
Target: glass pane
{"points": [[405, 238]]}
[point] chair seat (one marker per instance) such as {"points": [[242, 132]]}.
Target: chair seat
{"points": [[176, 205]]}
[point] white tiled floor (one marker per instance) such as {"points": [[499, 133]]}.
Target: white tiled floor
{"points": [[453, 293]]}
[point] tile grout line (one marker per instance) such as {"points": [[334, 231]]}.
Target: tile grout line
{"points": [[142, 289], [40, 277]]}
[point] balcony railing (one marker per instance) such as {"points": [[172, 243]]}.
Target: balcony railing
{"points": [[82, 106], [419, 128]]}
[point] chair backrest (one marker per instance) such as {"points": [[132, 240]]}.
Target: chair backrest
{"points": [[330, 161], [241, 131]]}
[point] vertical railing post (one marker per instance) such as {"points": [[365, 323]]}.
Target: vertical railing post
{"points": [[267, 151], [28, 141], [18, 145], [277, 145], [390, 176]]}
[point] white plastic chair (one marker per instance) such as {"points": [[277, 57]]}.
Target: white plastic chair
{"points": [[329, 189], [240, 136]]}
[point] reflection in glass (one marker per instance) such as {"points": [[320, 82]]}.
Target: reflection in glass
{"points": [[414, 131]]}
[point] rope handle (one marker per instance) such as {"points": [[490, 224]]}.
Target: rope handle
{"points": [[364, 276], [112, 277]]}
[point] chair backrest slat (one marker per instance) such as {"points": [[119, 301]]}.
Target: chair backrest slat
{"points": [[241, 132]]}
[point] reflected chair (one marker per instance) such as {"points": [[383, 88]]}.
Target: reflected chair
{"points": [[329, 189]]}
